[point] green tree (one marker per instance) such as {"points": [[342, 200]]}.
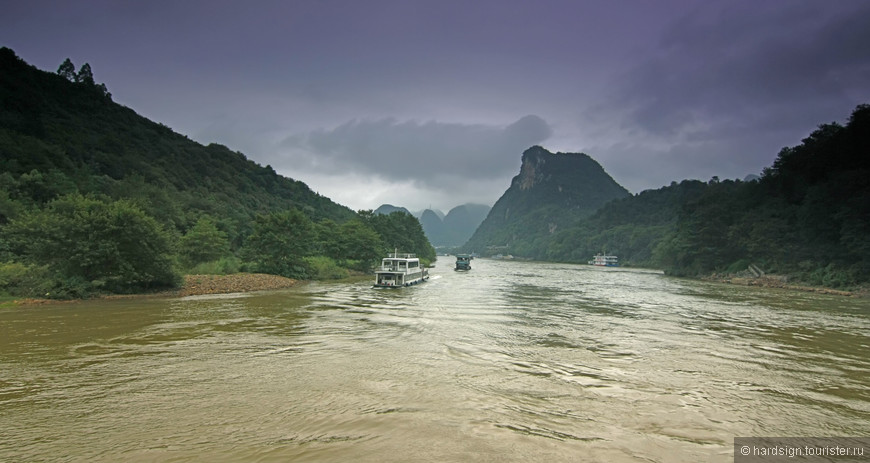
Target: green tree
{"points": [[359, 243], [204, 242], [327, 239], [85, 75], [279, 242], [93, 245], [67, 70], [9, 208], [402, 232]]}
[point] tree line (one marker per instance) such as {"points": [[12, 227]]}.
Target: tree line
{"points": [[807, 216], [80, 245]]}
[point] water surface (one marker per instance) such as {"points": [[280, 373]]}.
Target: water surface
{"points": [[512, 361]]}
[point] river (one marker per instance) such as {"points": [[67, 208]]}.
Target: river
{"points": [[512, 361]]}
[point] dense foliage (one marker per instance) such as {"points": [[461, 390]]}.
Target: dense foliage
{"points": [[88, 244], [95, 198], [400, 232], [808, 217]]}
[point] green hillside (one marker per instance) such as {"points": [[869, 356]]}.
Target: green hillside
{"points": [[79, 140], [91, 194]]}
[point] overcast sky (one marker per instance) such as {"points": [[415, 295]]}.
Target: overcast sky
{"points": [[419, 103]]}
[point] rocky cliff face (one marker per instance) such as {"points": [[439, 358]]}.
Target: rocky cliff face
{"points": [[551, 191]]}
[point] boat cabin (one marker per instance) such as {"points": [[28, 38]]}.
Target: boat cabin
{"points": [[463, 262], [400, 269]]}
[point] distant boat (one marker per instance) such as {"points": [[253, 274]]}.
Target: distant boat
{"points": [[400, 269], [604, 260], [463, 262]]}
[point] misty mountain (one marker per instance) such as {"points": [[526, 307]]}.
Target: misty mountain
{"points": [[552, 191], [456, 227], [461, 222], [452, 229], [437, 212], [433, 227]]}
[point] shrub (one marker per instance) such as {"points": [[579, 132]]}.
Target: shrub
{"points": [[324, 268], [25, 280], [222, 266], [91, 245]]}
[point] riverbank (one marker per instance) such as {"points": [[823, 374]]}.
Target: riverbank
{"points": [[197, 285], [775, 281]]}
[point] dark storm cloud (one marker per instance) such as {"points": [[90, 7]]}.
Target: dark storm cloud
{"points": [[725, 66], [730, 84], [655, 91], [424, 151]]}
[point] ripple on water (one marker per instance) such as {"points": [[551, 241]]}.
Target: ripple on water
{"points": [[513, 361]]}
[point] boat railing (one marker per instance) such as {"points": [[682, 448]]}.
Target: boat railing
{"points": [[401, 255]]}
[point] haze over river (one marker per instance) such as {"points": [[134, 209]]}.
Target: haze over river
{"points": [[512, 361]]}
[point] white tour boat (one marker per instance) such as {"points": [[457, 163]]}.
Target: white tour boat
{"points": [[400, 269], [604, 260]]}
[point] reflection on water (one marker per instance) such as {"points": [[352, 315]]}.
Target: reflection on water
{"points": [[511, 361]]}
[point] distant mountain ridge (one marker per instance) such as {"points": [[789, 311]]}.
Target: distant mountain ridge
{"points": [[450, 230], [461, 222], [552, 191]]}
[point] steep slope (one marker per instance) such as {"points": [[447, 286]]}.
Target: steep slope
{"points": [[59, 136], [550, 192]]}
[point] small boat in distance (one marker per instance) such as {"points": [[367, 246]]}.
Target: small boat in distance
{"points": [[463, 262], [400, 269], [604, 260]]}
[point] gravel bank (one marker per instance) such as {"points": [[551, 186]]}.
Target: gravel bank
{"points": [[236, 283]]}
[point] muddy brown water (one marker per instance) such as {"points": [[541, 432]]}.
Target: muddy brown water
{"points": [[512, 361]]}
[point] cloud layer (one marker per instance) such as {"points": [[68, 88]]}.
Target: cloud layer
{"points": [[431, 154], [438, 100], [725, 90]]}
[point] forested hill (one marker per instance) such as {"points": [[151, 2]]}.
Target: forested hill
{"points": [[64, 133], [97, 199], [552, 191], [807, 218]]}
